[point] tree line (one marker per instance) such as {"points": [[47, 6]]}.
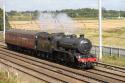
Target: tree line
{"points": [[74, 13], [23, 15], [92, 13]]}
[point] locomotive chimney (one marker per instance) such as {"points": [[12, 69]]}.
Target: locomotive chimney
{"points": [[81, 36]]}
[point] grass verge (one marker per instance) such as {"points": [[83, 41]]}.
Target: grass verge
{"points": [[1, 36], [114, 60], [7, 77]]}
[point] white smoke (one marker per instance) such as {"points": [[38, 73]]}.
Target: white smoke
{"points": [[54, 23]]}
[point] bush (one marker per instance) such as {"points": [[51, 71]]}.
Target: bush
{"points": [[5, 79]]}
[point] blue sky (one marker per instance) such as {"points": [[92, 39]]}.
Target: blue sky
{"points": [[22, 5]]}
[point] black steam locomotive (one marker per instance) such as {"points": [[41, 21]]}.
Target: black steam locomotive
{"points": [[56, 46]]}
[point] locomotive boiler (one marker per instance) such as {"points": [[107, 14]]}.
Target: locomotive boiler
{"points": [[68, 49], [81, 44]]}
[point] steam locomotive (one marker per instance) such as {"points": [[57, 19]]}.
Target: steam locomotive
{"points": [[68, 49]]}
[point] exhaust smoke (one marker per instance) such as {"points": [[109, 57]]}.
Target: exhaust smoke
{"points": [[55, 23]]}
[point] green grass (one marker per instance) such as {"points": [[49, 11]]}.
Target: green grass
{"points": [[83, 18], [115, 38], [1, 37], [4, 78], [115, 60]]}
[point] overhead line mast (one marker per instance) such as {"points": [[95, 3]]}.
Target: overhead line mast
{"points": [[4, 19], [100, 29]]}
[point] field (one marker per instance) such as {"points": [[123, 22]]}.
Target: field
{"points": [[107, 24], [85, 24], [27, 25], [113, 30]]}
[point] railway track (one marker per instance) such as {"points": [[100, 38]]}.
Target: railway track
{"points": [[96, 75], [60, 74], [89, 75], [111, 67]]}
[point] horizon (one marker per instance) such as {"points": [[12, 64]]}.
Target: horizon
{"points": [[59, 10]]}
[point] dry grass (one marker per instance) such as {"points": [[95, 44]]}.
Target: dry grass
{"points": [[107, 24], [27, 25], [4, 78], [92, 24]]}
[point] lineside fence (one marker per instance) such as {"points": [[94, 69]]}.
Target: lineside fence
{"points": [[109, 51]]}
